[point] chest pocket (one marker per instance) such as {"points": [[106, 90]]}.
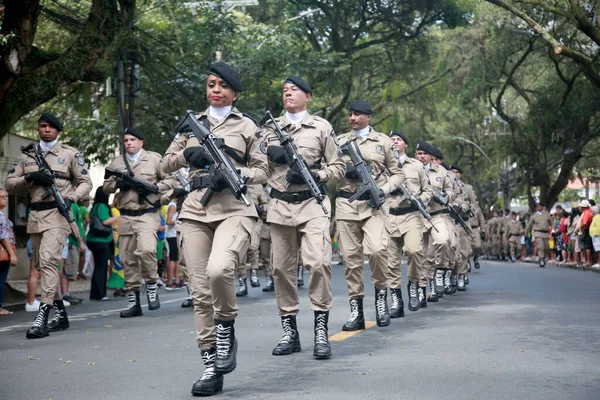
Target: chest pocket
{"points": [[309, 146], [236, 149]]}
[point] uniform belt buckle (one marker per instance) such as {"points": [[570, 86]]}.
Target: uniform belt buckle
{"points": [[295, 198]]}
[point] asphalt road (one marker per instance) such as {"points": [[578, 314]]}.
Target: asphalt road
{"points": [[519, 332]]}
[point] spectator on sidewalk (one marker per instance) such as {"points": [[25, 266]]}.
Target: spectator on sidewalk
{"points": [[32, 304], [171, 236], [100, 245], [585, 240], [84, 211], [595, 234], [574, 235], [7, 241]]}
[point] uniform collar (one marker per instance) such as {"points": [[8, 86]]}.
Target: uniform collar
{"points": [[307, 121], [233, 113], [52, 146]]}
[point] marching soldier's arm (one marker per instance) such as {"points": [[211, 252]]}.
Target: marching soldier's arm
{"points": [[174, 158], [81, 179], [110, 185], [335, 167], [426, 189], [448, 188], [396, 174], [15, 181], [258, 166], [480, 216]]}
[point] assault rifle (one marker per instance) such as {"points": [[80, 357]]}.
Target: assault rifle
{"points": [[295, 160], [35, 152], [417, 203], [367, 184], [142, 186], [445, 201], [221, 162]]}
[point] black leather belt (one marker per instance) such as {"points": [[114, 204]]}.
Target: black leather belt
{"points": [[137, 213], [465, 218], [514, 234], [294, 197], [544, 230], [439, 212], [43, 206], [345, 195], [403, 211], [200, 182]]}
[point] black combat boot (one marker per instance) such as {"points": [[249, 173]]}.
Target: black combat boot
{"points": [[448, 282], [188, 302], [461, 283], [476, 262], [242, 288], [466, 279], [382, 315], [134, 308], [413, 296], [270, 286], [439, 283], [210, 382], [397, 310], [454, 282], [300, 275], [254, 282], [39, 329], [152, 295], [226, 347], [357, 318], [542, 262], [433, 297], [322, 350], [422, 297], [290, 342], [60, 322]]}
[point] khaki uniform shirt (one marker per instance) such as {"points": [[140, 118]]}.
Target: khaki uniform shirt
{"points": [[440, 181], [240, 134], [377, 150], [539, 223], [514, 228], [315, 140], [478, 220], [72, 179]]}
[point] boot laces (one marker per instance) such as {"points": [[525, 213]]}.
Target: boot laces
{"points": [[254, 275], [421, 294], [321, 330], [151, 289], [241, 283], [223, 340], [353, 310], [413, 289], [447, 278], [432, 286], [439, 278], [131, 300], [288, 330], [380, 305], [209, 361], [57, 315], [39, 320], [395, 299]]}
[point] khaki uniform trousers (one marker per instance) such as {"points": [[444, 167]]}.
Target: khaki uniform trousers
{"points": [[253, 250], [514, 242], [137, 249], [462, 266], [412, 244], [440, 244], [496, 245], [312, 237], [367, 237], [476, 240], [265, 256], [212, 251], [182, 267], [47, 252], [542, 245]]}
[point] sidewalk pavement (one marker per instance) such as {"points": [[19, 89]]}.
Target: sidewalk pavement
{"points": [[534, 260], [15, 291]]}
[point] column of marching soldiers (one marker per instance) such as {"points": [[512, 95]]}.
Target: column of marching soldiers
{"points": [[258, 190]]}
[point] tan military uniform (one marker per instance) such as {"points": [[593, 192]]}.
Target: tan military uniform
{"points": [[139, 221], [514, 237], [477, 226], [495, 239], [441, 244], [468, 197], [539, 224], [47, 228], [265, 245], [302, 224], [362, 228], [259, 196], [405, 226], [215, 237]]}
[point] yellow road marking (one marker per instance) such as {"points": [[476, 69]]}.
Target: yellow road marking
{"points": [[338, 337]]}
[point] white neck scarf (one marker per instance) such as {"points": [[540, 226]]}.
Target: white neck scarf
{"points": [[46, 146], [134, 157], [295, 118], [362, 133], [218, 113]]}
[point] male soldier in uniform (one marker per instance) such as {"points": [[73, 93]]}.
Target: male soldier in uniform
{"points": [[139, 220], [540, 223], [405, 226], [505, 251], [477, 227], [514, 236], [440, 243], [468, 195], [46, 226], [265, 248], [297, 220], [361, 226]]}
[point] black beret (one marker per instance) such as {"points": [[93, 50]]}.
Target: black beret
{"points": [[52, 120], [133, 132], [424, 146], [446, 165], [301, 83], [400, 134], [360, 106], [456, 167], [437, 153], [228, 74]]}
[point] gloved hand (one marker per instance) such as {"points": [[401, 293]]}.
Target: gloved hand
{"points": [[366, 196], [277, 154], [143, 192], [41, 178], [217, 181], [296, 178], [352, 172], [123, 186], [197, 157], [259, 208], [180, 192]]}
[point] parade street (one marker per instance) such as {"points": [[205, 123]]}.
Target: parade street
{"points": [[518, 332]]}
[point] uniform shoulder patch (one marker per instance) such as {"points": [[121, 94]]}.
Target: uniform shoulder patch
{"points": [[18, 159], [263, 147], [79, 158], [258, 134]]}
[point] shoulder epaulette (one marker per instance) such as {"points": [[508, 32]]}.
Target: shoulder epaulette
{"points": [[250, 117]]}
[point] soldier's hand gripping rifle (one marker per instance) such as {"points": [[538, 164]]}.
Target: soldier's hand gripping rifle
{"points": [[35, 152], [295, 160], [445, 201], [221, 162], [367, 184], [141, 186], [417, 203]]}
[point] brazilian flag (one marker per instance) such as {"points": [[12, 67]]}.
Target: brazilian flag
{"points": [[117, 278]]}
